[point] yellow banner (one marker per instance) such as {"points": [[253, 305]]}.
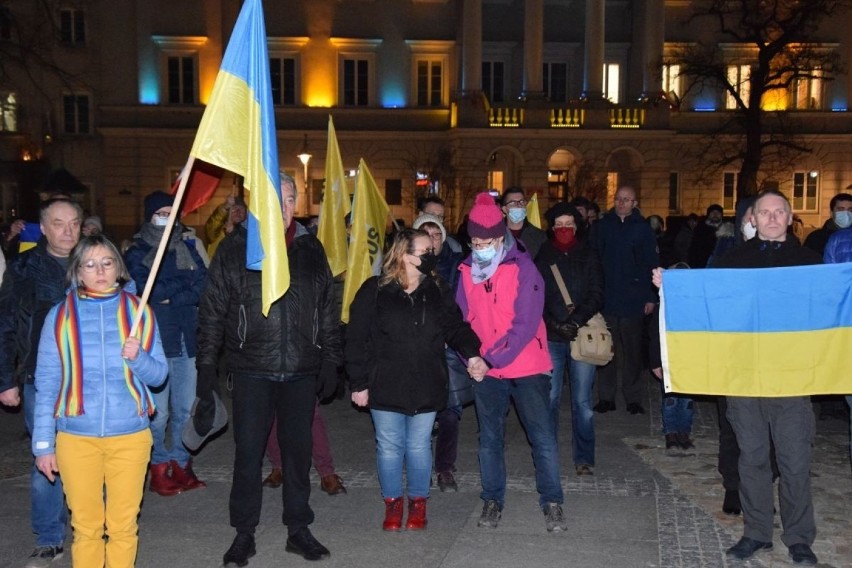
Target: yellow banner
{"points": [[335, 206], [369, 214]]}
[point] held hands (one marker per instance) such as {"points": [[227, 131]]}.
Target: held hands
{"points": [[477, 368], [361, 398], [47, 465], [130, 351]]}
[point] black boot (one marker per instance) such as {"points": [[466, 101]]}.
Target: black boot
{"points": [[241, 550]]}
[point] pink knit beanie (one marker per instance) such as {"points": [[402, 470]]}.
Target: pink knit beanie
{"points": [[485, 220]]}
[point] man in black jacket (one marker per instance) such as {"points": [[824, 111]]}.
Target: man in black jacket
{"points": [[34, 283], [279, 364], [787, 421]]}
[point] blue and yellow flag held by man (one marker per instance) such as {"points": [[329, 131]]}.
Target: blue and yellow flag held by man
{"points": [[237, 133], [766, 332]]}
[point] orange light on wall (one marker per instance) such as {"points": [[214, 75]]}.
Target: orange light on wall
{"points": [[776, 99], [319, 73]]}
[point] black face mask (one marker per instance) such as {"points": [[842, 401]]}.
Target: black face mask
{"points": [[428, 262]]}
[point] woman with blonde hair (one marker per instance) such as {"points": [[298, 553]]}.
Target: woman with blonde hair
{"points": [[93, 404], [399, 325]]}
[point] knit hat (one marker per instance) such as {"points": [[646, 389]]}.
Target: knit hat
{"points": [[560, 209], [429, 218], [715, 207], [94, 220], [485, 220], [156, 201]]}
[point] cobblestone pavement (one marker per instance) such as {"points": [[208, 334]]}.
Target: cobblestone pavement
{"points": [[691, 530]]}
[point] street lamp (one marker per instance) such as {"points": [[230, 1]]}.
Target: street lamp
{"points": [[305, 157]]}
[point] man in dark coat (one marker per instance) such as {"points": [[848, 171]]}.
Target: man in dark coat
{"points": [[704, 238], [787, 421], [279, 364], [628, 250], [34, 282]]}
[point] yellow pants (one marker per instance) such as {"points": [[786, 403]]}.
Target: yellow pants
{"points": [[104, 479]]}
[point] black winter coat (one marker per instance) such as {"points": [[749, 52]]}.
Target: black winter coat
{"points": [[395, 344], [33, 283], [301, 330], [582, 272]]}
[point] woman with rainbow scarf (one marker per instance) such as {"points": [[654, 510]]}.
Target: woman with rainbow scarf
{"points": [[92, 382]]}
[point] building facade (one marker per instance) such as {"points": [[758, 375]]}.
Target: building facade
{"points": [[561, 97]]}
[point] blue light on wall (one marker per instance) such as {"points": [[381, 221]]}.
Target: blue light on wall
{"points": [[839, 104], [705, 109], [149, 86], [392, 95]]}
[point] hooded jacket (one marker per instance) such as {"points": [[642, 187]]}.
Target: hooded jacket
{"points": [[505, 311]]}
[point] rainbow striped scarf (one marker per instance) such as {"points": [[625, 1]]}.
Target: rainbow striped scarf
{"points": [[68, 340]]}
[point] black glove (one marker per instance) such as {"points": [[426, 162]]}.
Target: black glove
{"points": [[205, 412], [563, 331], [328, 380]]}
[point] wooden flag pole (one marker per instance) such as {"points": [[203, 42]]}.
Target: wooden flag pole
{"points": [[164, 242]]}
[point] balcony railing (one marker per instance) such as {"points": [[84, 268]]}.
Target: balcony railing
{"points": [[574, 116]]}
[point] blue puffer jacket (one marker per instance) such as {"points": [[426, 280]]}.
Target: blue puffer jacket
{"points": [[839, 247], [109, 408]]}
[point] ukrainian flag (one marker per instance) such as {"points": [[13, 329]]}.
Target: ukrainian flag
{"points": [[237, 133], [766, 332]]}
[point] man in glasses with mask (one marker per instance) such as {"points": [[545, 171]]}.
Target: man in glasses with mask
{"points": [[514, 204]]}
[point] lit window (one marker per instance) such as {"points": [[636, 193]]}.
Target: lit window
{"points": [[807, 91], [181, 79], [804, 196], [672, 82], [729, 190], [430, 82], [76, 110], [8, 112], [282, 71], [492, 80], [72, 26], [611, 84], [555, 82], [356, 82], [738, 77]]}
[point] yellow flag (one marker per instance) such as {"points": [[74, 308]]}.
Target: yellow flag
{"points": [[533, 213], [369, 214], [334, 207]]}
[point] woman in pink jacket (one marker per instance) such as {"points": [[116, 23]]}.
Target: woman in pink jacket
{"points": [[501, 294]]}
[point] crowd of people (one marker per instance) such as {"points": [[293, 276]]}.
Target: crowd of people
{"points": [[487, 316]]}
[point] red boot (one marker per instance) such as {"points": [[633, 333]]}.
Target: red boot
{"points": [[416, 514], [161, 483], [185, 477], [393, 514]]}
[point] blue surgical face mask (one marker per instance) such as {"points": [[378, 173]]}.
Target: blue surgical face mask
{"points": [[843, 218], [485, 255], [161, 221], [517, 214]]}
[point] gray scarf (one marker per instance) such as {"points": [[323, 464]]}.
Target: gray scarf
{"points": [[152, 235]]}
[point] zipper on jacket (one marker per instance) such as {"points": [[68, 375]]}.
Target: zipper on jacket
{"points": [[242, 326], [103, 372]]}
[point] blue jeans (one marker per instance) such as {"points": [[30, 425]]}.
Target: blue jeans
{"points": [[677, 413], [49, 514], [174, 400], [399, 438], [531, 395], [582, 377]]}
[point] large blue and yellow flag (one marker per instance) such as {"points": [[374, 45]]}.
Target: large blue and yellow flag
{"points": [[335, 206], [766, 332], [237, 133], [369, 216]]}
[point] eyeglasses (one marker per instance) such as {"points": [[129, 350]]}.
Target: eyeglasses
{"points": [[625, 199], [516, 203], [436, 236], [481, 244], [106, 263]]}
